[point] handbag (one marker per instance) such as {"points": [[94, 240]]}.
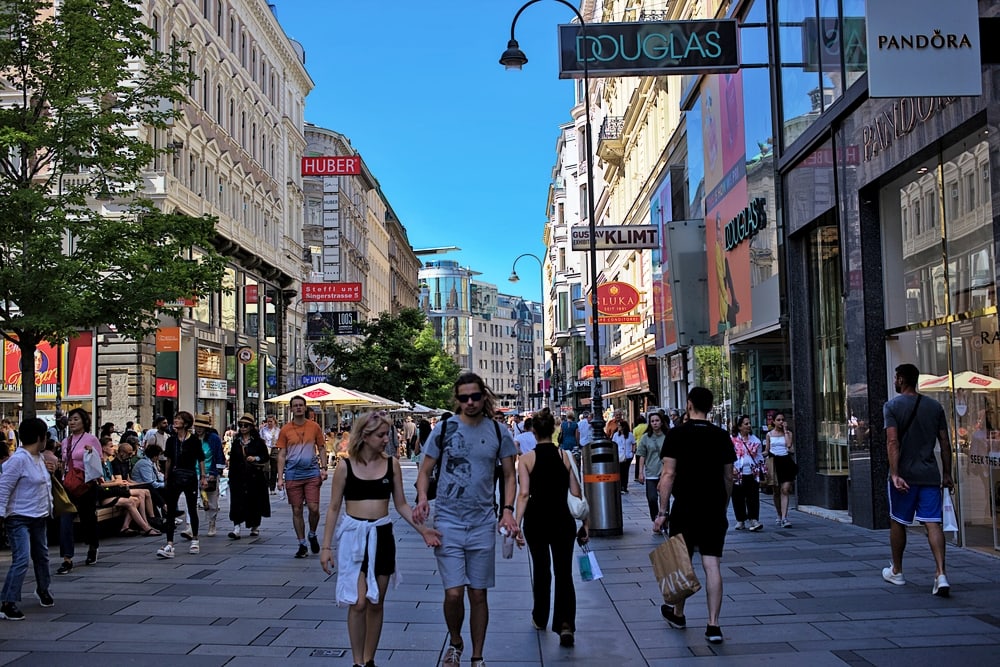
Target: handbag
{"points": [[673, 571], [73, 482], [61, 504], [587, 564], [578, 507], [183, 478]]}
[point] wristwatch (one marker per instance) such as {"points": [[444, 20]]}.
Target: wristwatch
{"points": [[509, 507]]}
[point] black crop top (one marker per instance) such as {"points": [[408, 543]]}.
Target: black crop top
{"points": [[356, 488]]}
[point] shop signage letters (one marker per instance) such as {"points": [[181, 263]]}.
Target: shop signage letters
{"points": [[166, 388], [651, 48], [616, 298], [211, 388], [898, 121], [331, 292], [620, 237], [930, 49], [747, 223], [336, 165]]}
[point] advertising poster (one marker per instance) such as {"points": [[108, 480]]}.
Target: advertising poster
{"points": [[80, 364], [46, 369], [660, 213], [726, 198], [711, 131], [728, 272]]}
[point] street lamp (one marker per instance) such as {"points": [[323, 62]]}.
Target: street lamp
{"points": [[514, 58], [541, 274]]}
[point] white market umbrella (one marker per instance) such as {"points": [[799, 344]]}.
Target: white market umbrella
{"points": [[325, 394], [970, 380]]}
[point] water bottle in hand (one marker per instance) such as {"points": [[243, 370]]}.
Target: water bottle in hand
{"points": [[508, 544]]}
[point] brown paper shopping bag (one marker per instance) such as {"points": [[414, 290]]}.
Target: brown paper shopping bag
{"points": [[673, 571]]}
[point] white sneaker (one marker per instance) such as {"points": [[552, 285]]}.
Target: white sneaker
{"points": [[897, 577], [165, 552], [194, 548], [211, 529], [942, 588], [756, 525], [741, 525]]}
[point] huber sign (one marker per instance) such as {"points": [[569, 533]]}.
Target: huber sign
{"points": [[648, 48], [337, 165]]}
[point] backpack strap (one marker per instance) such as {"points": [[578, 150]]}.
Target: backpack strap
{"points": [[440, 438]]}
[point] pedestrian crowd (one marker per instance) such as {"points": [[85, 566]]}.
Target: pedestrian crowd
{"points": [[485, 474]]}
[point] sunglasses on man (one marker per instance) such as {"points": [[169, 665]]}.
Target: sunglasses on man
{"points": [[474, 397]]}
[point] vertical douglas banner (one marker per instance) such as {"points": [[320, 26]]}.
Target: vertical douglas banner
{"points": [[726, 198], [660, 213]]}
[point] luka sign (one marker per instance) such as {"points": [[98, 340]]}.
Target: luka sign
{"points": [[648, 48]]}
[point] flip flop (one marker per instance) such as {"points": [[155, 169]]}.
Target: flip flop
{"points": [[152, 532]]}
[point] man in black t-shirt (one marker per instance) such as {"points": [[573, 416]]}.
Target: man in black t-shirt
{"points": [[698, 470]]}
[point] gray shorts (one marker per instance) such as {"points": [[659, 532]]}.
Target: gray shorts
{"points": [[467, 555]]}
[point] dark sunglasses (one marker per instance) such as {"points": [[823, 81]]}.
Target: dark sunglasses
{"points": [[465, 398], [245, 425]]}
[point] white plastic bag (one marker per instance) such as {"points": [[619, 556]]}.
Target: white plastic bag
{"points": [[223, 487], [92, 468], [282, 495], [587, 564], [950, 521]]}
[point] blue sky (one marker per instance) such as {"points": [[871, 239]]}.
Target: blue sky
{"points": [[462, 148]]}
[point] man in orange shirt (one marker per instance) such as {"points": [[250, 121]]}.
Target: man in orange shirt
{"points": [[301, 448]]}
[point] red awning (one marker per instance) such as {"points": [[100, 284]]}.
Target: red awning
{"points": [[607, 371]]}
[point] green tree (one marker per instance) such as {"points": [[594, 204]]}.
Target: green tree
{"points": [[82, 85], [398, 358], [712, 372], [441, 371]]}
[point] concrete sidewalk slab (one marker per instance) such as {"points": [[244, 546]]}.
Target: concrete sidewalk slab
{"points": [[810, 594]]}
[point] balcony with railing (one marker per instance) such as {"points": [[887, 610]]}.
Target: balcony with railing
{"points": [[610, 142]]}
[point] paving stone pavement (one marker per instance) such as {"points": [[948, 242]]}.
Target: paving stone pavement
{"points": [[810, 594]]}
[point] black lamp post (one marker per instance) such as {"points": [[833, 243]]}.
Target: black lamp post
{"points": [[541, 274], [514, 58]]}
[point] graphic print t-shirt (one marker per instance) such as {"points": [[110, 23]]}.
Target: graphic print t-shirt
{"points": [[300, 444], [465, 485]]}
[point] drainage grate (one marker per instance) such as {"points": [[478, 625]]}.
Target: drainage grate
{"points": [[328, 653]]}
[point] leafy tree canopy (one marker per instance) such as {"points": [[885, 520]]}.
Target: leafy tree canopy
{"points": [[399, 358], [81, 88]]}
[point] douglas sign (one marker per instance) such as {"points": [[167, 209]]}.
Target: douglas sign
{"points": [[648, 48]]}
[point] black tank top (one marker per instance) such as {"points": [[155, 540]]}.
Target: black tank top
{"points": [[356, 488], [549, 482]]}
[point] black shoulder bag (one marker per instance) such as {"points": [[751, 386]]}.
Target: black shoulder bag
{"points": [[909, 420]]}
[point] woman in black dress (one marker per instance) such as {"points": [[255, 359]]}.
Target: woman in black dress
{"points": [[544, 476], [249, 466]]}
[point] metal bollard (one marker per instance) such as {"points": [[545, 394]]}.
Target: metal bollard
{"points": [[602, 486]]}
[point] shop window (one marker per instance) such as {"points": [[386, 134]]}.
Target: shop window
{"points": [[826, 284], [822, 47]]}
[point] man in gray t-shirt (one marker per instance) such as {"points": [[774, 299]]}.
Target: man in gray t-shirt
{"points": [[469, 450], [914, 425]]}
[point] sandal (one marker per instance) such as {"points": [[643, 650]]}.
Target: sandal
{"points": [[128, 532], [152, 532]]}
